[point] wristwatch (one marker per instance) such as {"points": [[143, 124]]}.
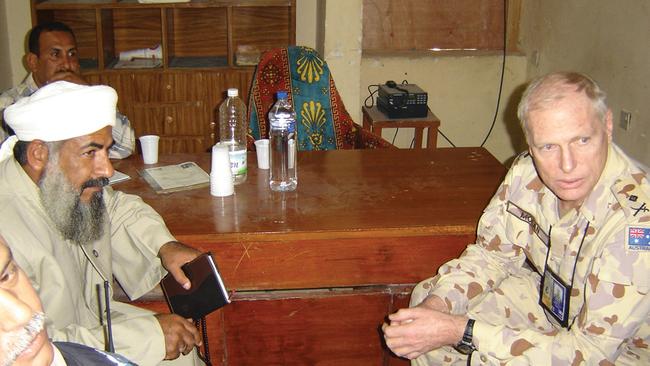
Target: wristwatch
{"points": [[465, 346]]}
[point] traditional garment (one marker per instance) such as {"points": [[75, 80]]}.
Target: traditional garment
{"points": [[66, 275], [123, 134], [602, 249]]}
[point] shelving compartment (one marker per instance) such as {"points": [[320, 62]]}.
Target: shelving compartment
{"points": [[127, 29], [197, 37], [84, 26], [257, 29]]}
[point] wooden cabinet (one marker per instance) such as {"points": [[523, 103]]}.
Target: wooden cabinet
{"points": [[206, 47]]}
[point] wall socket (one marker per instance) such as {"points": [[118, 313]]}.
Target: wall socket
{"points": [[626, 120]]}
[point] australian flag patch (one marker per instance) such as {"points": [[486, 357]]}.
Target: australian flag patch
{"points": [[638, 238]]}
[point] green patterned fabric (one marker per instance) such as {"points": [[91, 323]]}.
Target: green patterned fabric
{"points": [[322, 121]]}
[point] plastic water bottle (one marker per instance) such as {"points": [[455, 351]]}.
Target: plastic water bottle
{"points": [[283, 162], [232, 132]]}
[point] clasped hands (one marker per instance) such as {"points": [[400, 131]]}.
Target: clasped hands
{"points": [[412, 332], [181, 336]]}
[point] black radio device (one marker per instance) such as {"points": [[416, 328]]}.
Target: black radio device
{"points": [[402, 100]]}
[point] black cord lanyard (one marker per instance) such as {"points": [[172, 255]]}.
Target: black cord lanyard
{"points": [[555, 295], [200, 323]]}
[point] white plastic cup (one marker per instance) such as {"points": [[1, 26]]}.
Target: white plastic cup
{"points": [[149, 144], [221, 185], [262, 150], [221, 180], [220, 158]]}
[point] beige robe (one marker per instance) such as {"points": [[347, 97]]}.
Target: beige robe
{"points": [[66, 278]]}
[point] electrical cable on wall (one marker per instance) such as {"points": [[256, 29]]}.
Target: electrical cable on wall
{"points": [[503, 66]]}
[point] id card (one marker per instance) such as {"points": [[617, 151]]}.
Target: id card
{"points": [[554, 297]]}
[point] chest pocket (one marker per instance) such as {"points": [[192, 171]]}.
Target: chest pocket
{"points": [[633, 273]]}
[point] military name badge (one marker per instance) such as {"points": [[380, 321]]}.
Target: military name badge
{"points": [[637, 238]]}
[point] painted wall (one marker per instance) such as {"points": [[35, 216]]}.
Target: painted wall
{"points": [[5, 62], [605, 39], [306, 15], [15, 16], [342, 50]]}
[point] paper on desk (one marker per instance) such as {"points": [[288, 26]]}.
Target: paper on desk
{"points": [[179, 177], [118, 177]]}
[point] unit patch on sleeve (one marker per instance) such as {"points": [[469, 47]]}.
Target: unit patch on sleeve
{"points": [[637, 238]]}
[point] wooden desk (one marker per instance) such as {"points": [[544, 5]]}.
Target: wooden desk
{"points": [[318, 269], [375, 120]]}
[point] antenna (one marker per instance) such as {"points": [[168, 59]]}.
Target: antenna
{"points": [[109, 325]]}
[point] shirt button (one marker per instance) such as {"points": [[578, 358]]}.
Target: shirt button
{"points": [[483, 358], [95, 253]]}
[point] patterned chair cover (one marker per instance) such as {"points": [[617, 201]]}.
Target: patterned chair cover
{"points": [[322, 121]]}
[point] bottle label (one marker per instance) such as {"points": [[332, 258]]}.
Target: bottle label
{"points": [[238, 162]]}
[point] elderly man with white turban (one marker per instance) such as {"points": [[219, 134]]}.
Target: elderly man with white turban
{"points": [[70, 232]]}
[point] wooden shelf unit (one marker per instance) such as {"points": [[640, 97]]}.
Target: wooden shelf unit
{"points": [[199, 40]]}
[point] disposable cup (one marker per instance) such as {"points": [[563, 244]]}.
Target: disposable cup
{"points": [[262, 149], [220, 159], [221, 185], [221, 182], [149, 145]]}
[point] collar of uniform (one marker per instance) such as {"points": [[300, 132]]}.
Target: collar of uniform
{"points": [[598, 204]]}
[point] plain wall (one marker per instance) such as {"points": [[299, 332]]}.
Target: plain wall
{"points": [[607, 40], [16, 18]]}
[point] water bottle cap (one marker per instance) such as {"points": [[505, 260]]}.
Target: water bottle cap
{"points": [[282, 94], [233, 92]]}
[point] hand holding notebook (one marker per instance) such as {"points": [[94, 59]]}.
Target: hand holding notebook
{"points": [[207, 294]]}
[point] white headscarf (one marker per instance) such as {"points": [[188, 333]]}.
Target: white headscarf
{"points": [[60, 111]]}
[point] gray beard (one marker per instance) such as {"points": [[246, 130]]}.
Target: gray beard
{"points": [[15, 344], [78, 222]]}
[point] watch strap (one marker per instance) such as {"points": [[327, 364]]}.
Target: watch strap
{"points": [[466, 346], [469, 330]]}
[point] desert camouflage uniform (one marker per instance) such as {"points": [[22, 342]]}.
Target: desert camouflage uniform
{"points": [[496, 281], [123, 134]]}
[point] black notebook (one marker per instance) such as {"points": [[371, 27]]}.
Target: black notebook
{"points": [[207, 294]]}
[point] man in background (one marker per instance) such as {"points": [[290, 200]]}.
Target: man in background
{"points": [[23, 338], [560, 272], [53, 56], [72, 234]]}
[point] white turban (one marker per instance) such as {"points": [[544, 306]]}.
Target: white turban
{"points": [[61, 111]]}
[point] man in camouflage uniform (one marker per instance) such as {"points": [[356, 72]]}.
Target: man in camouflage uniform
{"points": [[560, 272]]}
